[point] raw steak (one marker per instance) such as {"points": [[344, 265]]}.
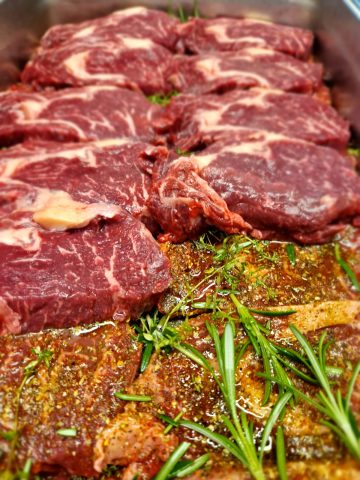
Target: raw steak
{"points": [[125, 62], [193, 120], [251, 67], [138, 22], [88, 365], [177, 384], [205, 35], [113, 268], [77, 114], [116, 171], [267, 180]]}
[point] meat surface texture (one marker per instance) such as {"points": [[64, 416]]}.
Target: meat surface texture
{"points": [[269, 183], [129, 48], [205, 35], [113, 268], [137, 22], [116, 171], [136, 63], [251, 67], [87, 366], [192, 120], [76, 114]]}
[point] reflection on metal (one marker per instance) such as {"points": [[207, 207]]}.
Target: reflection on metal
{"points": [[354, 6], [334, 22]]}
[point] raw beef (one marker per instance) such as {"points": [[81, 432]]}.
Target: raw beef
{"points": [[251, 67], [77, 114], [138, 22], [205, 35], [193, 120], [113, 268], [116, 171], [267, 180], [88, 365], [126, 62]]}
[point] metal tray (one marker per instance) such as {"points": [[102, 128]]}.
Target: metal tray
{"points": [[336, 24]]}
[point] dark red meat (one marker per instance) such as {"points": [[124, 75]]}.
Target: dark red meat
{"points": [[111, 269], [138, 22], [125, 62], [116, 171], [205, 35], [88, 365], [251, 67], [193, 120], [270, 181], [76, 114]]}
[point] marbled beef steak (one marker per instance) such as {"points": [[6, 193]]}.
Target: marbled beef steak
{"points": [[205, 35], [194, 120], [75, 114], [251, 67], [115, 171], [136, 22], [113, 268], [127, 48], [259, 182]]}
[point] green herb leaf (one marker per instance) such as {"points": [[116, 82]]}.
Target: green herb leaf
{"points": [[280, 454], [161, 99], [9, 435], [273, 313], [290, 250], [191, 467], [171, 462], [67, 432], [335, 407], [132, 398], [274, 415], [354, 151], [346, 267], [146, 356]]}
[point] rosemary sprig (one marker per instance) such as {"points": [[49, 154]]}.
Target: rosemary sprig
{"points": [[346, 267], [241, 444], [263, 347], [30, 370], [154, 330], [339, 416]]}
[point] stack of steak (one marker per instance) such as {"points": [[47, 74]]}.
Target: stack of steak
{"points": [[91, 171]]}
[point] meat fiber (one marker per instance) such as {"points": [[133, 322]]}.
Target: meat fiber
{"points": [[87, 366], [113, 268], [254, 179], [77, 114], [205, 35], [116, 171], [193, 120], [125, 61], [137, 22], [251, 67]]}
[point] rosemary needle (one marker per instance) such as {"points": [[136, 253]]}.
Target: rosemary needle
{"points": [[171, 462], [280, 454], [132, 398]]}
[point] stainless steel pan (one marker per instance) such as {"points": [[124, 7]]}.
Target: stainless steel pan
{"points": [[336, 24]]}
